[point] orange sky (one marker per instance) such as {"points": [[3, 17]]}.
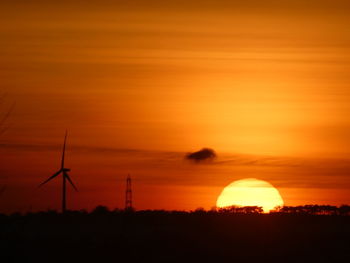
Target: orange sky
{"points": [[139, 84]]}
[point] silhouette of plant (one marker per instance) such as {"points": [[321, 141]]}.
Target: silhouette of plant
{"points": [[101, 210]]}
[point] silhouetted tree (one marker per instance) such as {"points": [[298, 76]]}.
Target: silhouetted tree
{"points": [[344, 210], [241, 210], [200, 211], [313, 210], [101, 210]]}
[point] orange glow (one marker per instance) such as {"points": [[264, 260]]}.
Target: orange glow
{"points": [[250, 192], [138, 85]]}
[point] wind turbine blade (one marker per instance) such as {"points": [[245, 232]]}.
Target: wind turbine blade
{"points": [[7, 115], [70, 181], [64, 150], [50, 178]]}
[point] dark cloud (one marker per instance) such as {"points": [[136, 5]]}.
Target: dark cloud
{"points": [[205, 154]]}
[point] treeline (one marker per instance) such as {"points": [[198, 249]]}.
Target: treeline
{"points": [[343, 210], [235, 234]]}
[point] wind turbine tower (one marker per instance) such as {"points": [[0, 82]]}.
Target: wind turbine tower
{"points": [[128, 194], [64, 171]]}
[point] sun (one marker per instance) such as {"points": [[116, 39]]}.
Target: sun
{"points": [[250, 192]]}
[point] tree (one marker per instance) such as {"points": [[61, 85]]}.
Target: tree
{"points": [[101, 210]]}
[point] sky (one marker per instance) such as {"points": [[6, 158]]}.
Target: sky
{"points": [[139, 84]]}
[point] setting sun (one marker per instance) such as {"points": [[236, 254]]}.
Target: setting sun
{"points": [[250, 192], [175, 131]]}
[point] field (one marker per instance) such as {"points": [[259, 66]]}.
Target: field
{"points": [[163, 236]]}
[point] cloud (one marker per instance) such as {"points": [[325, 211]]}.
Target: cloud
{"points": [[205, 154]]}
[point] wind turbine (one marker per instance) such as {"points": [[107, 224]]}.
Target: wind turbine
{"points": [[64, 171]]}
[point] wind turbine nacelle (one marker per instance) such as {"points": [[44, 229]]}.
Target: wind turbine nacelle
{"points": [[66, 170]]}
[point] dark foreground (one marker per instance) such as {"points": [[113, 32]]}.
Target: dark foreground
{"points": [[156, 236]]}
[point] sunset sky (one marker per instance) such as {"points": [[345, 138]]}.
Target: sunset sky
{"points": [[138, 84]]}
